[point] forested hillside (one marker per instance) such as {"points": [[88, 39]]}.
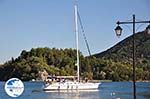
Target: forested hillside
{"points": [[113, 64], [54, 61], [122, 52]]}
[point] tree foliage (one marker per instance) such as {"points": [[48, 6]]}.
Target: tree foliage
{"points": [[114, 64]]}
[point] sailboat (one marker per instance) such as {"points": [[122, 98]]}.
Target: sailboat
{"points": [[72, 84]]}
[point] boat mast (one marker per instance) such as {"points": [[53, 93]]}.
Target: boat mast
{"points": [[77, 38]]}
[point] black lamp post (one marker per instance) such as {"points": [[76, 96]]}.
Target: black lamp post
{"points": [[118, 31]]}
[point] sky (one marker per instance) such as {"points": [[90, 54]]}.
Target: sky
{"points": [[26, 24]]}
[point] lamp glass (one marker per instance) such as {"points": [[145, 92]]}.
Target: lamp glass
{"points": [[118, 30]]}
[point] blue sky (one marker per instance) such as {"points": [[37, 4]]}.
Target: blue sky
{"points": [[26, 24]]}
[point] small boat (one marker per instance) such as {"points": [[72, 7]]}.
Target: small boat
{"points": [[62, 83]]}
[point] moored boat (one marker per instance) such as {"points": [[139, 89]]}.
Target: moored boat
{"points": [[74, 84]]}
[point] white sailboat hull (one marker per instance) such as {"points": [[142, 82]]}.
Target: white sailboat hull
{"points": [[72, 86]]}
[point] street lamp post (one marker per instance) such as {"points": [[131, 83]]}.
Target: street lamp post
{"points": [[118, 31]]}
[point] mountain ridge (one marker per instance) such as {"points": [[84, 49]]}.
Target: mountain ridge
{"points": [[122, 51]]}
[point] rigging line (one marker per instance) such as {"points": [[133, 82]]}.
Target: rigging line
{"points": [[84, 36]]}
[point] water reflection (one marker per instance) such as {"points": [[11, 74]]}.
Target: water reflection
{"points": [[73, 95]]}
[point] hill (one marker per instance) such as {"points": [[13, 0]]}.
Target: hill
{"points": [[122, 52], [55, 61], [113, 64]]}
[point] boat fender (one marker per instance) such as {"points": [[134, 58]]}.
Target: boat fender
{"points": [[58, 87]]}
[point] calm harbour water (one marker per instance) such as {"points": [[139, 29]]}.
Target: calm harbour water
{"points": [[109, 90]]}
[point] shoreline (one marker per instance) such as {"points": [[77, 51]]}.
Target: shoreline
{"points": [[94, 81]]}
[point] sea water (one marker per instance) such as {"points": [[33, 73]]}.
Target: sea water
{"points": [[107, 90]]}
